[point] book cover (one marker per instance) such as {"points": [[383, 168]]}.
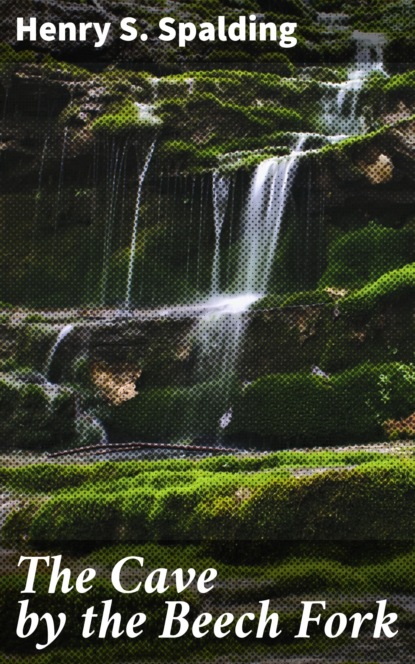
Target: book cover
{"points": [[207, 377]]}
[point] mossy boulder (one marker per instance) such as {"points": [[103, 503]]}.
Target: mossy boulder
{"points": [[305, 408], [174, 411], [35, 415], [363, 255]]}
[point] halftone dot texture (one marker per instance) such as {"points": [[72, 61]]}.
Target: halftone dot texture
{"points": [[207, 324]]}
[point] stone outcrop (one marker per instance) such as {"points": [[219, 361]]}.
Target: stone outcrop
{"points": [[367, 177]]}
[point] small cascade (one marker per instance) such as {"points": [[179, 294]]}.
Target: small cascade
{"points": [[61, 174], [333, 22], [89, 428], [146, 112], [370, 51], [116, 166], [218, 337], [65, 331], [133, 245], [341, 100], [264, 213], [226, 419], [40, 178], [219, 334], [220, 191]]}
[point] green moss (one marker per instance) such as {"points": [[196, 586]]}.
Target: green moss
{"points": [[47, 478], [395, 283], [269, 116], [319, 296], [279, 62], [65, 70], [33, 418], [172, 412], [296, 299], [10, 60], [400, 88], [305, 408], [124, 118], [122, 81], [155, 281], [182, 152], [363, 255], [371, 501]]}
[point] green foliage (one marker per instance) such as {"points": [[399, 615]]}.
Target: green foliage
{"points": [[124, 118], [11, 59], [32, 418], [365, 254], [51, 477], [64, 70], [225, 112], [371, 501], [367, 503], [319, 296], [172, 411], [305, 408], [393, 284]]}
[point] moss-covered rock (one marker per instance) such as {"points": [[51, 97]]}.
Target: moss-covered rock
{"points": [[173, 412], [284, 409], [127, 117], [35, 415], [395, 284], [363, 255]]}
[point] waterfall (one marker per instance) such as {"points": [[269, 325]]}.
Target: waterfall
{"points": [[67, 329], [220, 190], [61, 174], [263, 215], [369, 51], [89, 428], [133, 245], [341, 100], [217, 337], [219, 333], [115, 171]]}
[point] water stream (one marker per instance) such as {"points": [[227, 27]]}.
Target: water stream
{"points": [[64, 332], [221, 187], [133, 246], [116, 165], [222, 317], [219, 333], [340, 103]]}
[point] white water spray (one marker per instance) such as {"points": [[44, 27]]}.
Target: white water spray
{"points": [[263, 216], [220, 191], [341, 100], [65, 331], [133, 245]]}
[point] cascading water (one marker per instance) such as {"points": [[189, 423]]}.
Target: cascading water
{"points": [[133, 245], [61, 174], [220, 191], [222, 318], [64, 332], [89, 428], [219, 333], [116, 165], [264, 213], [341, 100]]}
